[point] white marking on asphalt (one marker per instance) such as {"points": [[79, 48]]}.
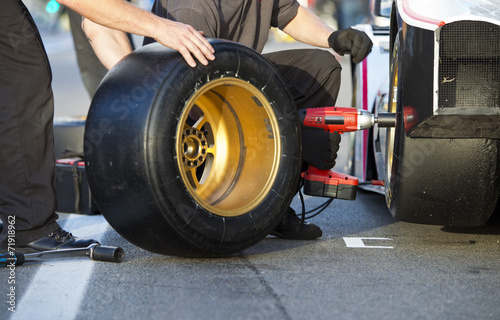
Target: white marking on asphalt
{"points": [[354, 242], [58, 288]]}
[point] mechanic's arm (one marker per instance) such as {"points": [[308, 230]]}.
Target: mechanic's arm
{"points": [[109, 45], [123, 16], [309, 28]]}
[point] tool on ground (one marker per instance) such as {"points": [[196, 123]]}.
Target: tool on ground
{"points": [[328, 183], [94, 252]]}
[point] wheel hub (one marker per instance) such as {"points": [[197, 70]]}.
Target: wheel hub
{"points": [[195, 147]]}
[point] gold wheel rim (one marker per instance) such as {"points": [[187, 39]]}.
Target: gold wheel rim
{"points": [[228, 147]]}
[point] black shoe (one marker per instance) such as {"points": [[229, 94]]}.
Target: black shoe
{"points": [[57, 240], [292, 228]]}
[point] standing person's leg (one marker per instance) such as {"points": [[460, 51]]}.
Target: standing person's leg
{"points": [[26, 137], [27, 186], [91, 69]]}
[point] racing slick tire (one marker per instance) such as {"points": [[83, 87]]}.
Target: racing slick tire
{"points": [[450, 182], [197, 161]]}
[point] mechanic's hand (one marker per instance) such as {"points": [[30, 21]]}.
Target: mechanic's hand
{"points": [[319, 148], [352, 41], [185, 39]]}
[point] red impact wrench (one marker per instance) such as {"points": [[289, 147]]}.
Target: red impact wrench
{"points": [[328, 183]]}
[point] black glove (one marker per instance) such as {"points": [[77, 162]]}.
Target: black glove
{"points": [[319, 147], [352, 41]]}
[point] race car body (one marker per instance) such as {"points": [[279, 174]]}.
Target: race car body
{"points": [[437, 65]]}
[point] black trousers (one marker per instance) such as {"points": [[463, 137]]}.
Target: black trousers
{"points": [[312, 75], [27, 185]]}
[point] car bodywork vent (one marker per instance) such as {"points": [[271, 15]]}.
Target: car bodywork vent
{"points": [[469, 65], [381, 30]]}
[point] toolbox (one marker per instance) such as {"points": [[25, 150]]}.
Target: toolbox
{"points": [[68, 136], [73, 192]]}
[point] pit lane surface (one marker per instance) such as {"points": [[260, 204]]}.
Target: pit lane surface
{"points": [[366, 265]]}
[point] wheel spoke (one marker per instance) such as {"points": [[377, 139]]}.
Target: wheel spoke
{"points": [[191, 174], [200, 123], [212, 150]]}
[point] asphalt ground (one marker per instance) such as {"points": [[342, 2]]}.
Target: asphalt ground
{"points": [[365, 266]]}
